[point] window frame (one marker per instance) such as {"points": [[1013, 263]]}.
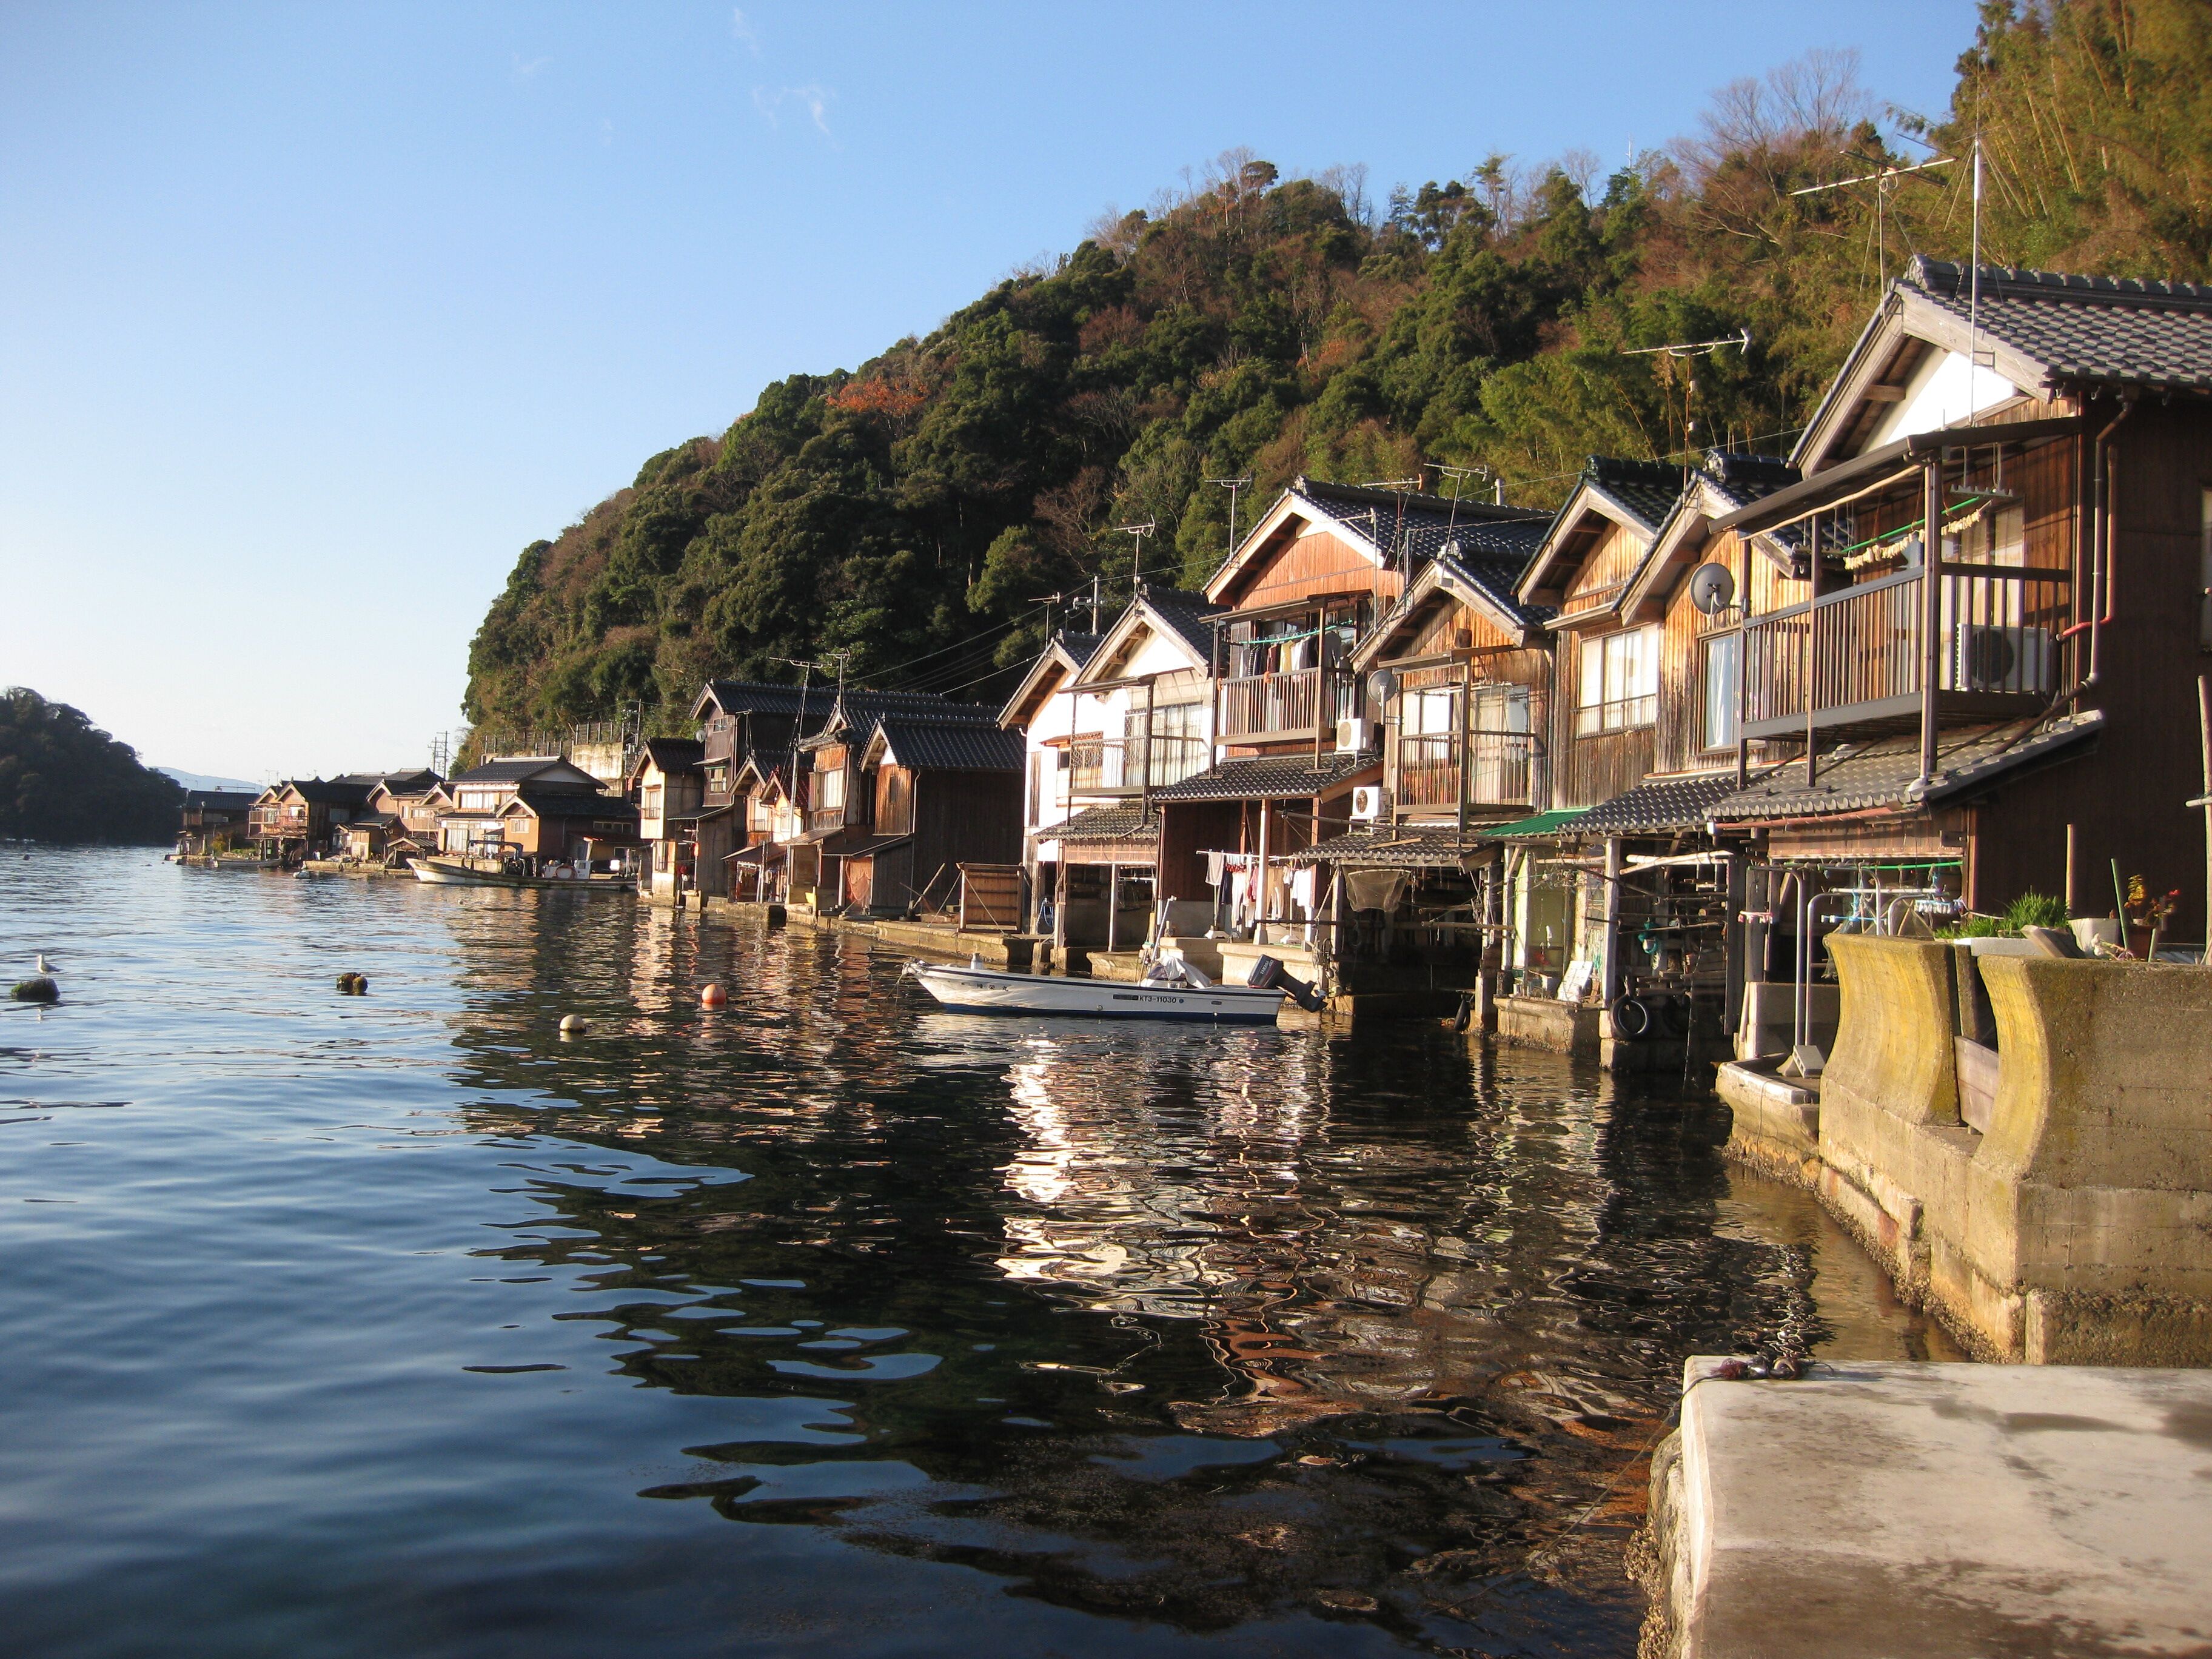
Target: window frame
{"points": [[1619, 704]]}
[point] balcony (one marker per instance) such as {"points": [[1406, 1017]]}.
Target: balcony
{"points": [[1862, 652], [1271, 707], [1110, 766], [1506, 769]]}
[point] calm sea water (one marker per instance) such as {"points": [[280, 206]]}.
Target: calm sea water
{"points": [[820, 1324]]}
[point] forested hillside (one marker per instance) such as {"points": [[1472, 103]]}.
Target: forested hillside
{"points": [[62, 778], [1498, 324]]}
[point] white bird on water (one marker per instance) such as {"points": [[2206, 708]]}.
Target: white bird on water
{"points": [[42, 963]]}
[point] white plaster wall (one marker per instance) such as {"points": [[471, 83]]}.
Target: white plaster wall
{"points": [[1945, 390]]}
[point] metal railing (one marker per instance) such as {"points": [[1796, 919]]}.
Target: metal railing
{"points": [[1504, 769], [1108, 765], [1270, 702], [1864, 648]]}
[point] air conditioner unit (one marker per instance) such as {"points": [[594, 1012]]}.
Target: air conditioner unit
{"points": [[1367, 803], [1354, 736], [1999, 659]]}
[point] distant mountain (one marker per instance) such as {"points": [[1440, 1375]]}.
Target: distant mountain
{"points": [[62, 778], [206, 779]]}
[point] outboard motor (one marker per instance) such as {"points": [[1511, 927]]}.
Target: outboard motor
{"points": [[1269, 975]]}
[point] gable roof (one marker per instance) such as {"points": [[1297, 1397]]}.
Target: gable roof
{"points": [[1167, 613], [1638, 496], [537, 769], [1481, 590], [756, 697], [570, 804], [670, 755], [1721, 486], [217, 800], [947, 745], [859, 710], [328, 791], [2047, 332], [1378, 524], [1064, 655]]}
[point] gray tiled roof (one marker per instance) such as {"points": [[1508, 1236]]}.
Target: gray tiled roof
{"points": [[1269, 777], [1860, 777], [1659, 804], [676, 754], [1102, 824], [1393, 846], [574, 803], [1186, 613], [1427, 522], [331, 792], [512, 770], [759, 696], [948, 745], [1743, 479], [1079, 647], [2114, 330], [1496, 578], [1645, 490], [218, 800]]}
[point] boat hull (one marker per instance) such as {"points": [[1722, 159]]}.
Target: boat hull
{"points": [[987, 990], [440, 873]]}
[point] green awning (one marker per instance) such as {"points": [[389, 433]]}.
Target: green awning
{"points": [[1544, 823]]}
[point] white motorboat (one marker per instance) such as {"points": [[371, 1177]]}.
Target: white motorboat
{"points": [[976, 989]]}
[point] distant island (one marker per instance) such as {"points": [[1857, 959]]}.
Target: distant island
{"points": [[62, 778]]}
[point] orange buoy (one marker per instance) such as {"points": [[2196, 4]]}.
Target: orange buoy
{"points": [[713, 996]]}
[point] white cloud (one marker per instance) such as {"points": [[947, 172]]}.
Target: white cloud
{"points": [[743, 29], [606, 132], [813, 98], [528, 71]]}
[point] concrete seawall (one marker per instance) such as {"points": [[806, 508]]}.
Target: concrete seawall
{"points": [[2078, 1227], [1919, 1511]]}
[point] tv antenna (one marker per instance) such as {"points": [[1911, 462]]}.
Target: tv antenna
{"points": [[1136, 533], [1884, 180], [1741, 340], [1232, 485]]}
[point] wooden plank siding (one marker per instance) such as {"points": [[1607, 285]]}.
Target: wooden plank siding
{"points": [[1607, 568], [1316, 565]]}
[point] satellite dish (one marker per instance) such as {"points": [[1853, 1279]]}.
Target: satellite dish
{"points": [[1712, 588], [1381, 686]]}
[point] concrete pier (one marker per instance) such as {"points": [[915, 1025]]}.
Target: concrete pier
{"points": [[1900, 1510]]}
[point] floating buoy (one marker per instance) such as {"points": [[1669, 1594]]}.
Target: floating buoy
{"points": [[713, 996], [574, 1025], [40, 989]]}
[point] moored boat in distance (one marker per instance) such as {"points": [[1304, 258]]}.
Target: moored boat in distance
{"points": [[975, 989], [487, 872]]}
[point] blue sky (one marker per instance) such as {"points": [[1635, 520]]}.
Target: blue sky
{"points": [[312, 316]]}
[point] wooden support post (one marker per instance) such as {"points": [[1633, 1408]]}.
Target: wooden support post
{"points": [[2204, 739], [1464, 741], [1113, 907], [1609, 946], [1811, 655], [2072, 839], [1931, 611], [1260, 884]]}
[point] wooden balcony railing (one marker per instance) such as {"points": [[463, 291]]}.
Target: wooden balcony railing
{"points": [[1862, 650], [1504, 769]]}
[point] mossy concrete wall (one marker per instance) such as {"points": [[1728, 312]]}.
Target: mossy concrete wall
{"points": [[2079, 1229]]}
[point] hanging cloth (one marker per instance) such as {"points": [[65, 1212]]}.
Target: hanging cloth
{"points": [[1375, 889], [1213, 868], [1302, 890]]}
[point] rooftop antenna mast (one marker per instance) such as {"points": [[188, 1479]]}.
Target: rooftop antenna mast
{"points": [[1974, 298], [1136, 533], [1884, 180], [799, 725], [1232, 485]]}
